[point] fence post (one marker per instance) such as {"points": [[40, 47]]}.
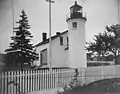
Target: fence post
{"points": [[83, 71], [2, 81], [113, 68]]}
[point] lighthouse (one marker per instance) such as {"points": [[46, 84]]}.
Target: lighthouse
{"points": [[76, 33]]}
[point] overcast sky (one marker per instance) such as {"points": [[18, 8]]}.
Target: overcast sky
{"points": [[99, 14]]}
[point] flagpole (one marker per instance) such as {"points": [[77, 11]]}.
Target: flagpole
{"points": [[50, 56]]}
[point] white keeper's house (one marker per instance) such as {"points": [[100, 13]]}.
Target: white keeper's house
{"points": [[68, 47]]}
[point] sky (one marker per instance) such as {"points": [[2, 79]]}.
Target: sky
{"points": [[99, 14]]}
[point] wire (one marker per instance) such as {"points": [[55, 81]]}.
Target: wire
{"points": [[12, 5], [118, 13]]}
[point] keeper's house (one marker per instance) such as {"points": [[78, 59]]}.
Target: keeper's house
{"points": [[59, 50], [68, 47]]}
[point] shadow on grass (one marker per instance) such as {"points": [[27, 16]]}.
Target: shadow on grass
{"points": [[106, 86]]}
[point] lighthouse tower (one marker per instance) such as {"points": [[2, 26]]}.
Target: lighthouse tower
{"points": [[76, 32]]}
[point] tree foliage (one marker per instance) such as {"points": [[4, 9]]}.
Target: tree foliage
{"points": [[106, 43], [21, 49], [114, 31]]}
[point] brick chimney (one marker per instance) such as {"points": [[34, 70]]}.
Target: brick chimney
{"points": [[57, 33], [44, 36]]}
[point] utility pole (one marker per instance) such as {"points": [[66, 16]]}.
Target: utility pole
{"points": [[49, 58]]}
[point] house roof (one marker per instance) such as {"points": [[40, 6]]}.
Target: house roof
{"points": [[52, 38]]}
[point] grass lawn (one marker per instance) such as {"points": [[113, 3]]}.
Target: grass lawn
{"points": [[106, 86]]}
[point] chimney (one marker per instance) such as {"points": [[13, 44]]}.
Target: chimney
{"points": [[44, 36], [57, 33]]}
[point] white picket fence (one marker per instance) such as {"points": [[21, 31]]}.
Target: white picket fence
{"points": [[20, 82], [91, 74]]}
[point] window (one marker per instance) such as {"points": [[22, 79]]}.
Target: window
{"points": [[67, 41], [67, 47], [74, 24], [61, 40], [43, 56]]}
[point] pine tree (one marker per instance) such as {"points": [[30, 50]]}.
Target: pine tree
{"points": [[21, 49]]}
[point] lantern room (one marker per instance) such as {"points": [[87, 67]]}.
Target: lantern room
{"points": [[76, 12]]}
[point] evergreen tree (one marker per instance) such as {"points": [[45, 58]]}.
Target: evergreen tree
{"points": [[21, 49]]}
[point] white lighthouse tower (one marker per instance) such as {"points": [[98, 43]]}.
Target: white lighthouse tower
{"points": [[76, 32]]}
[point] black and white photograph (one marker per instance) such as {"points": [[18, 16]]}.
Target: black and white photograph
{"points": [[59, 46]]}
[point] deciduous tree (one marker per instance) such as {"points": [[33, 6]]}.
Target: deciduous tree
{"points": [[106, 43]]}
